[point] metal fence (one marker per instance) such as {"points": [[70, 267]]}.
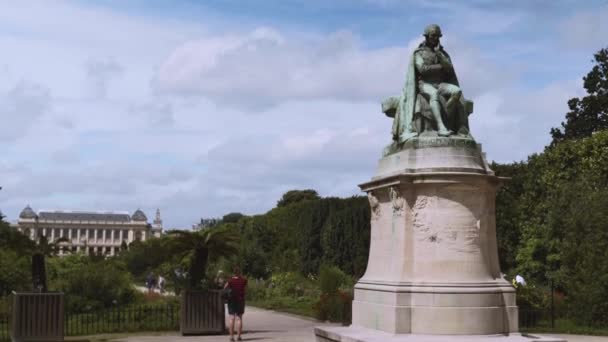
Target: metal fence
{"points": [[113, 320], [4, 335], [563, 321], [166, 317], [124, 319]]}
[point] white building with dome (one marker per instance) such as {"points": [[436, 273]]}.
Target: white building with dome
{"points": [[90, 232]]}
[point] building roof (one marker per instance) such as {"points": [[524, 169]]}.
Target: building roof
{"points": [[27, 213], [64, 215], [139, 215]]}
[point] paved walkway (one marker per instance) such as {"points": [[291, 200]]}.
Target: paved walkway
{"points": [[259, 325]]}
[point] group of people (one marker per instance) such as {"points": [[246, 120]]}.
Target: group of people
{"points": [[152, 283]]}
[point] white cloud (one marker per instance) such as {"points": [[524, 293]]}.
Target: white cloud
{"points": [[99, 72], [201, 120], [263, 68], [21, 108], [514, 124]]}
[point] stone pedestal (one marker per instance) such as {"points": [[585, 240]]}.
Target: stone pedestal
{"points": [[433, 263]]}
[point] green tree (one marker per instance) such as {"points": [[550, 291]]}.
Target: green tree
{"points": [[201, 247], [41, 250], [143, 257], [91, 282], [582, 266], [589, 114], [14, 259], [11, 238], [345, 236], [295, 196], [508, 209], [555, 180], [14, 275], [232, 217]]}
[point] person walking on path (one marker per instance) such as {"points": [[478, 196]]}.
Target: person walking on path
{"points": [[150, 282], [236, 302], [161, 284]]}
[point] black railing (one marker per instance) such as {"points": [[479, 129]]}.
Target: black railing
{"points": [[166, 317], [4, 335], [562, 321], [124, 319]]}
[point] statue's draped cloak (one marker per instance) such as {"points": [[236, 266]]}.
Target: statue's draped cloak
{"points": [[408, 106]]}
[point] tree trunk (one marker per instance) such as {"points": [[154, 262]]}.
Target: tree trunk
{"points": [[39, 272], [198, 267]]}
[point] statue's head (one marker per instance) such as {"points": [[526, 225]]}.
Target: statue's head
{"points": [[432, 33]]}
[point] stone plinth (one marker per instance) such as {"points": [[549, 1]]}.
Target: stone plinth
{"points": [[433, 262], [352, 334]]}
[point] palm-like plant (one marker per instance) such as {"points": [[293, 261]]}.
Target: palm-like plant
{"points": [[203, 246], [40, 250]]}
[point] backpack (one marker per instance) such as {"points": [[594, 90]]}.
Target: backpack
{"points": [[227, 294]]}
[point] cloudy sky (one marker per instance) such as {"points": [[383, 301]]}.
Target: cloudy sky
{"points": [[201, 108]]}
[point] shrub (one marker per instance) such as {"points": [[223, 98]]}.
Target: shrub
{"points": [[256, 289], [331, 279], [14, 272], [335, 301], [91, 284], [335, 307], [288, 284]]}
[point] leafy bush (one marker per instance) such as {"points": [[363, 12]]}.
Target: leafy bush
{"points": [[530, 297], [257, 290], [335, 302], [91, 284], [335, 307], [14, 272], [288, 284], [331, 279]]}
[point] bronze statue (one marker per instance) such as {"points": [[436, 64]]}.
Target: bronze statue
{"points": [[432, 100]]}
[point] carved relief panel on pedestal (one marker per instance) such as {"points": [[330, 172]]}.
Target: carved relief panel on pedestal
{"points": [[451, 217], [397, 201], [374, 205]]}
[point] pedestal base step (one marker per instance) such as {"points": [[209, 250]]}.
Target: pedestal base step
{"points": [[356, 334]]}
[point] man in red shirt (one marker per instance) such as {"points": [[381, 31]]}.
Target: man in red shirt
{"points": [[236, 303]]}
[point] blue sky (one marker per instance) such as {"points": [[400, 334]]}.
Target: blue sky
{"points": [[201, 108]]}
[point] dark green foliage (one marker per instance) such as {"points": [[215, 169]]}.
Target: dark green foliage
{"points": [[331, 278], [296, 196], [14, 259], [334, 303], [589, 114], [143, 257], [232, 218], [91, 283], [508, 203], [345, 237], [10, 238], [301, 236], [42, 248], [202, 247], [14, 272], [552, 217], [580, 265], [39, 273], [336, 307]]}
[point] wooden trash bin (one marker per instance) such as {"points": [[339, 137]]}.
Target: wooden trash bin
{"points": [[36, 316], [202, 312]]}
